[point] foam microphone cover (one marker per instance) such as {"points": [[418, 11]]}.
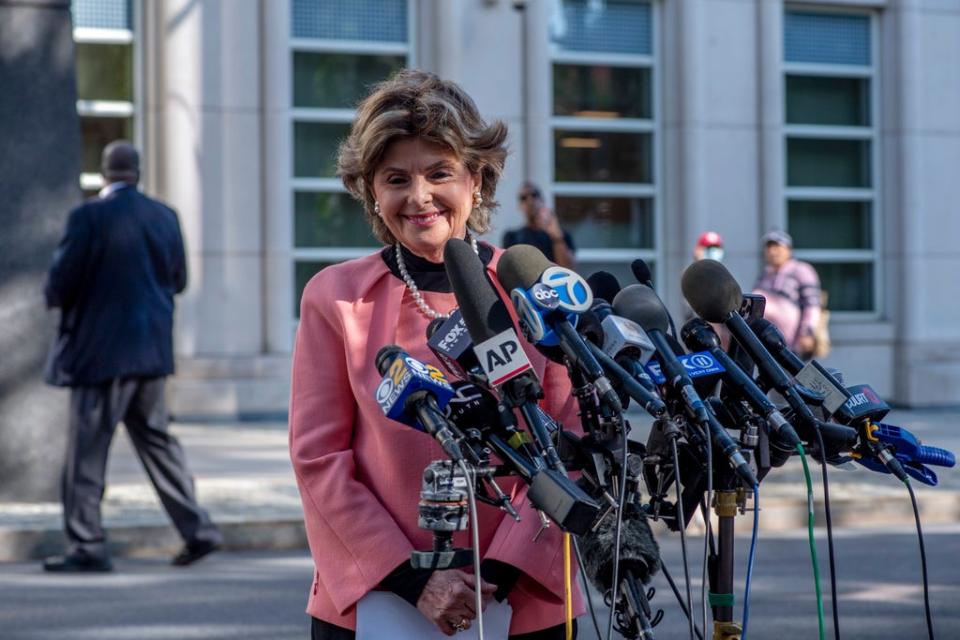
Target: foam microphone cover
{"points": [[713, 293], [639, 552], [640, 303], [521, 266], [483, 311], [604, 285], [641, 271]]}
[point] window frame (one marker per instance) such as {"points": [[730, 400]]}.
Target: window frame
{"points": [[296, 114], [651, 125], [93, 181], [871, 133]]}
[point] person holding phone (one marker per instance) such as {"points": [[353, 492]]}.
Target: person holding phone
{"points": [[542, 229]]}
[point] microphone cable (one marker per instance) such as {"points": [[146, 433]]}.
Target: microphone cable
{"points": [[813, 545], [826, 507], [567, 587], [682, 524], [750, 558], [676, 592], [475, 537], [923, 558], [619, 527], [586, 588], [707, 533]]}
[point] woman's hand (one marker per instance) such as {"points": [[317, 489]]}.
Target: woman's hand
{"points": [[449, 601]]}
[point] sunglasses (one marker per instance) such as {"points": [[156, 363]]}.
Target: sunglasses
{"points": [[527, 196]]}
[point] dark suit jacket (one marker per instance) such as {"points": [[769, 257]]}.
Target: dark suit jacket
{"points": [[114, 276]]}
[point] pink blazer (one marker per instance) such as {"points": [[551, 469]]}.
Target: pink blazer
{"points": [[359, 473]]}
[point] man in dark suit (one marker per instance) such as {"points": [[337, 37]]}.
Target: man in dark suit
{"points": [[114, 276]]}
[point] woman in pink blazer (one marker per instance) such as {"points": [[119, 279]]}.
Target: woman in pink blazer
{"points": [[425, 165]]}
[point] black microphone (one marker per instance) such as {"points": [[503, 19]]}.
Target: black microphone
{"points": [[412, 393], [641, 271], [698, 335], [639, 557], [559, 497], [715, 296], [495, 341], [639, 303], [449, 340], [604, 285], [622, 348], [525, 267]]}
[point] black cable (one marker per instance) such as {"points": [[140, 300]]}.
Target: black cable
{"points": [[923, 559], [708, 530], [586, 587], [826, 508], [620, 508], [676, 592], [682, 522]]}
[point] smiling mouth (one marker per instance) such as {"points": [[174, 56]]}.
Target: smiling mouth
{"points": [[423, 220]]}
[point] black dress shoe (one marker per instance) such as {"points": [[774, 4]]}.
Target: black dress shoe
{"points": [[77, 563], [193, 551]]}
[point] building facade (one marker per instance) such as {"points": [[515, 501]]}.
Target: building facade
{"points": [[646, 122]]}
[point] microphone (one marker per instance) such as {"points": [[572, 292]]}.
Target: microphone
{"points": [[715, 296], [413, 393], [641, 271], [604, 285], [548, 300], [496, 344], [622, 348], [449, 340], [698, 335], [564, 502], [639, 559], [639, 303]]}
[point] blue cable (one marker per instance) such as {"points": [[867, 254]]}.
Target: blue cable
{"points": [[750, 558]]}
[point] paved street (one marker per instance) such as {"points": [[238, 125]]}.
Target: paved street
{"points": [[262, 595]]}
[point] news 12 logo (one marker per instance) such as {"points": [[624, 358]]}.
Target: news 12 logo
{"points": [[697, 365]]}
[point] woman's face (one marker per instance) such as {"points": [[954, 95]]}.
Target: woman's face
{"points": [[425, 195]]}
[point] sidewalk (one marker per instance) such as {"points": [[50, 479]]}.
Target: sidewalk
{"points": [[244, 478]]}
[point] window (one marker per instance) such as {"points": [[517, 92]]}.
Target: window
{"points": [[604, 124], [831, 151], [339, 49], [106, 92]]}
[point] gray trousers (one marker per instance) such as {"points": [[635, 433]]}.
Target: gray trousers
{"points": [[94, 414]]}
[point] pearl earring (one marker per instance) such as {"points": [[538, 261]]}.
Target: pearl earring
{"points": [[376, 208], [477, 199]]}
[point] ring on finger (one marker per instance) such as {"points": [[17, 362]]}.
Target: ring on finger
{"points": [[463, 625]]}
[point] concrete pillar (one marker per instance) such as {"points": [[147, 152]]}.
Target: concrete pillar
{"points": [[210, 158], [40, 167]]}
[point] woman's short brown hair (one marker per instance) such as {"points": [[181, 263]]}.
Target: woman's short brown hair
{"points": [[419, 104]]}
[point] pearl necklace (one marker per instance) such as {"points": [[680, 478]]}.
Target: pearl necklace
{"points": [[415, 292]]}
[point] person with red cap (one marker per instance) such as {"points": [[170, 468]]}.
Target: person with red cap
{"points": [[709, 245]]}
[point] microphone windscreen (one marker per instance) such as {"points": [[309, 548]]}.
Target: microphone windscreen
{"points": [[521, 266], [639, 303], [481, 307], [713, 293], [639, 552], [641, 271], [604, 285]]}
